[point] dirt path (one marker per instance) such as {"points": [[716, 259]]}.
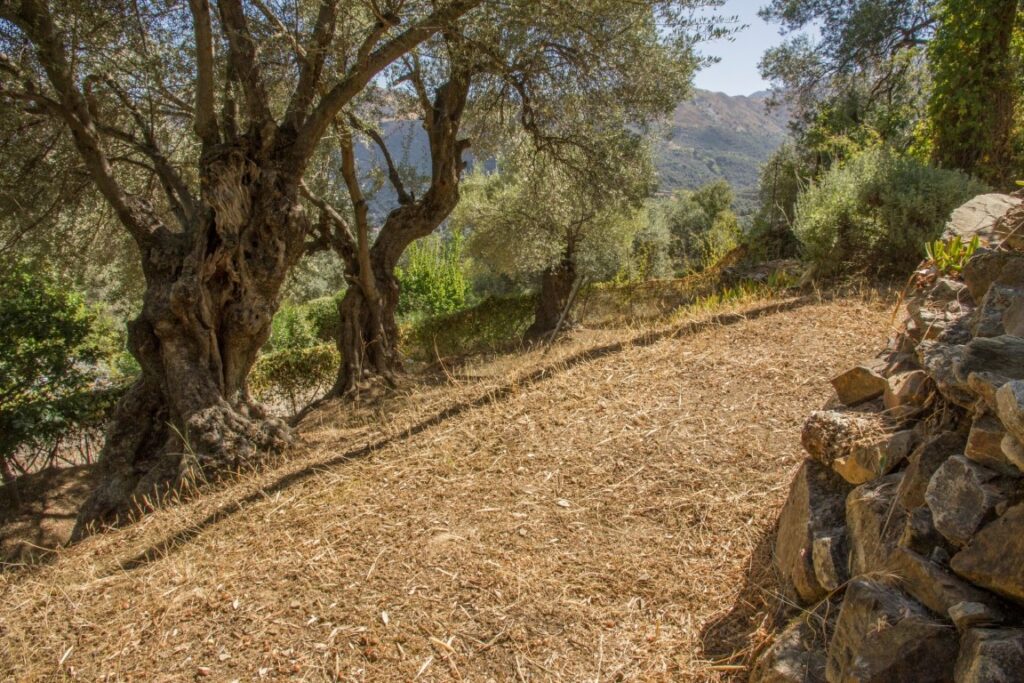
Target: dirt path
{"points": [[608, 521]]}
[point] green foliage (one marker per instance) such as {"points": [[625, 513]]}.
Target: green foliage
{"points": [[432, 280], [702, 225], [291, 329], [651, 252], [950, 256], [492, 325], [294, 375], [323, 317], [782, 179], [541, 210], [874, 212], [49, 356], [971, 109]]}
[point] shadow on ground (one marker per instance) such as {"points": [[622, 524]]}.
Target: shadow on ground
{"points": [[38, 510], [733, 640]]}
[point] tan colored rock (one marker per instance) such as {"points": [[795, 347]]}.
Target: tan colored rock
{"points": [[873, 458], [994, 559], [797, 655], [874, 524], [883, 636], [923, 463], [1010, 404], [985, 446], [858, 385], [951, 366], [962, 496], [990, 655], [1013, 318], [815, 507], [908, 393], [828, 556], [988, 319], [919, 533], [966, 615], [1013, 451]]}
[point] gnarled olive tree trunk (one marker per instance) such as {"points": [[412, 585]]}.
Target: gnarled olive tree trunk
{"points": [[556, 286], [211, 293], [368, 339]]}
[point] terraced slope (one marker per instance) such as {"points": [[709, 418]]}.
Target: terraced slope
{"points": [[605, 520]]}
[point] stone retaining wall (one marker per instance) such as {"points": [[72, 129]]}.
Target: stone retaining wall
{"points": [[903, 535]]}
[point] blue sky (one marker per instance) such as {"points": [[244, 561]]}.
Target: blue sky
{"points": [[736, 73]]}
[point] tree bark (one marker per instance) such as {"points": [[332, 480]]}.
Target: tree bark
{"points": [[555, 289], [211, 293]]}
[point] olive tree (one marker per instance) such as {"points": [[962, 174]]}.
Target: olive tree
{"points": [[221, 104], [537, 218], [563, 76]]}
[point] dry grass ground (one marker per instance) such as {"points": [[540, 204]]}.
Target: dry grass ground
{"points": [[606, 519]]}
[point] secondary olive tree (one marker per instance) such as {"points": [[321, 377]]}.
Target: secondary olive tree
{"points": [[538, 218], [222, 104], [566, 75]]}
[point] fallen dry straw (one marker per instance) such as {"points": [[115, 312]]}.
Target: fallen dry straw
{"points": [[606, 520]]}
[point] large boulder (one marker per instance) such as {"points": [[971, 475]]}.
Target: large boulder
{"points": [[797, 655], [994, 559], [991, 655], [874, 524], [923, 463], [883, 636], [962, 496], [815, 508], [979, 216]]}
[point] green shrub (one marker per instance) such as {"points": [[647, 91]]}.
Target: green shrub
{"points": [[432, 280], [323, 317], [294, 375], [874, 213], [489, 326], [50, 361]]}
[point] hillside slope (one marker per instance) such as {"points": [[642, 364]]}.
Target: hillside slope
{"points": [[715, 135], [607, 520]]}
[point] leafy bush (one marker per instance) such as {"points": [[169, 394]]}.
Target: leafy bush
{"points": [[432, 280], [875, 212], [702, 224], [492, 325], [49, 358], [323, 317], [294, 375], [291, 329], [950, 256]]}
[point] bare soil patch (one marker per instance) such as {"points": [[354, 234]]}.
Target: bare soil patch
{"points": [[605, 521]]}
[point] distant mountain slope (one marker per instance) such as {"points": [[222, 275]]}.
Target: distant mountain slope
{"points": [[711, 136], [715, 135]]}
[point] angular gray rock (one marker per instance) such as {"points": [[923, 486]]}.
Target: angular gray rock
{"points": [[951, 366], [937, 588], [923, 463], [828, 556], [966, 615], [988, 267], [883, 636], [1013, 451], [994, 559], [979, 216], [919, 533], [815, 507], [797, 655], [874, 524], [989, 317], [962, 496], [991, 655]]}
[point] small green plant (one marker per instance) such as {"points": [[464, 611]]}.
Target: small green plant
{"points": [[949, 256]]}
